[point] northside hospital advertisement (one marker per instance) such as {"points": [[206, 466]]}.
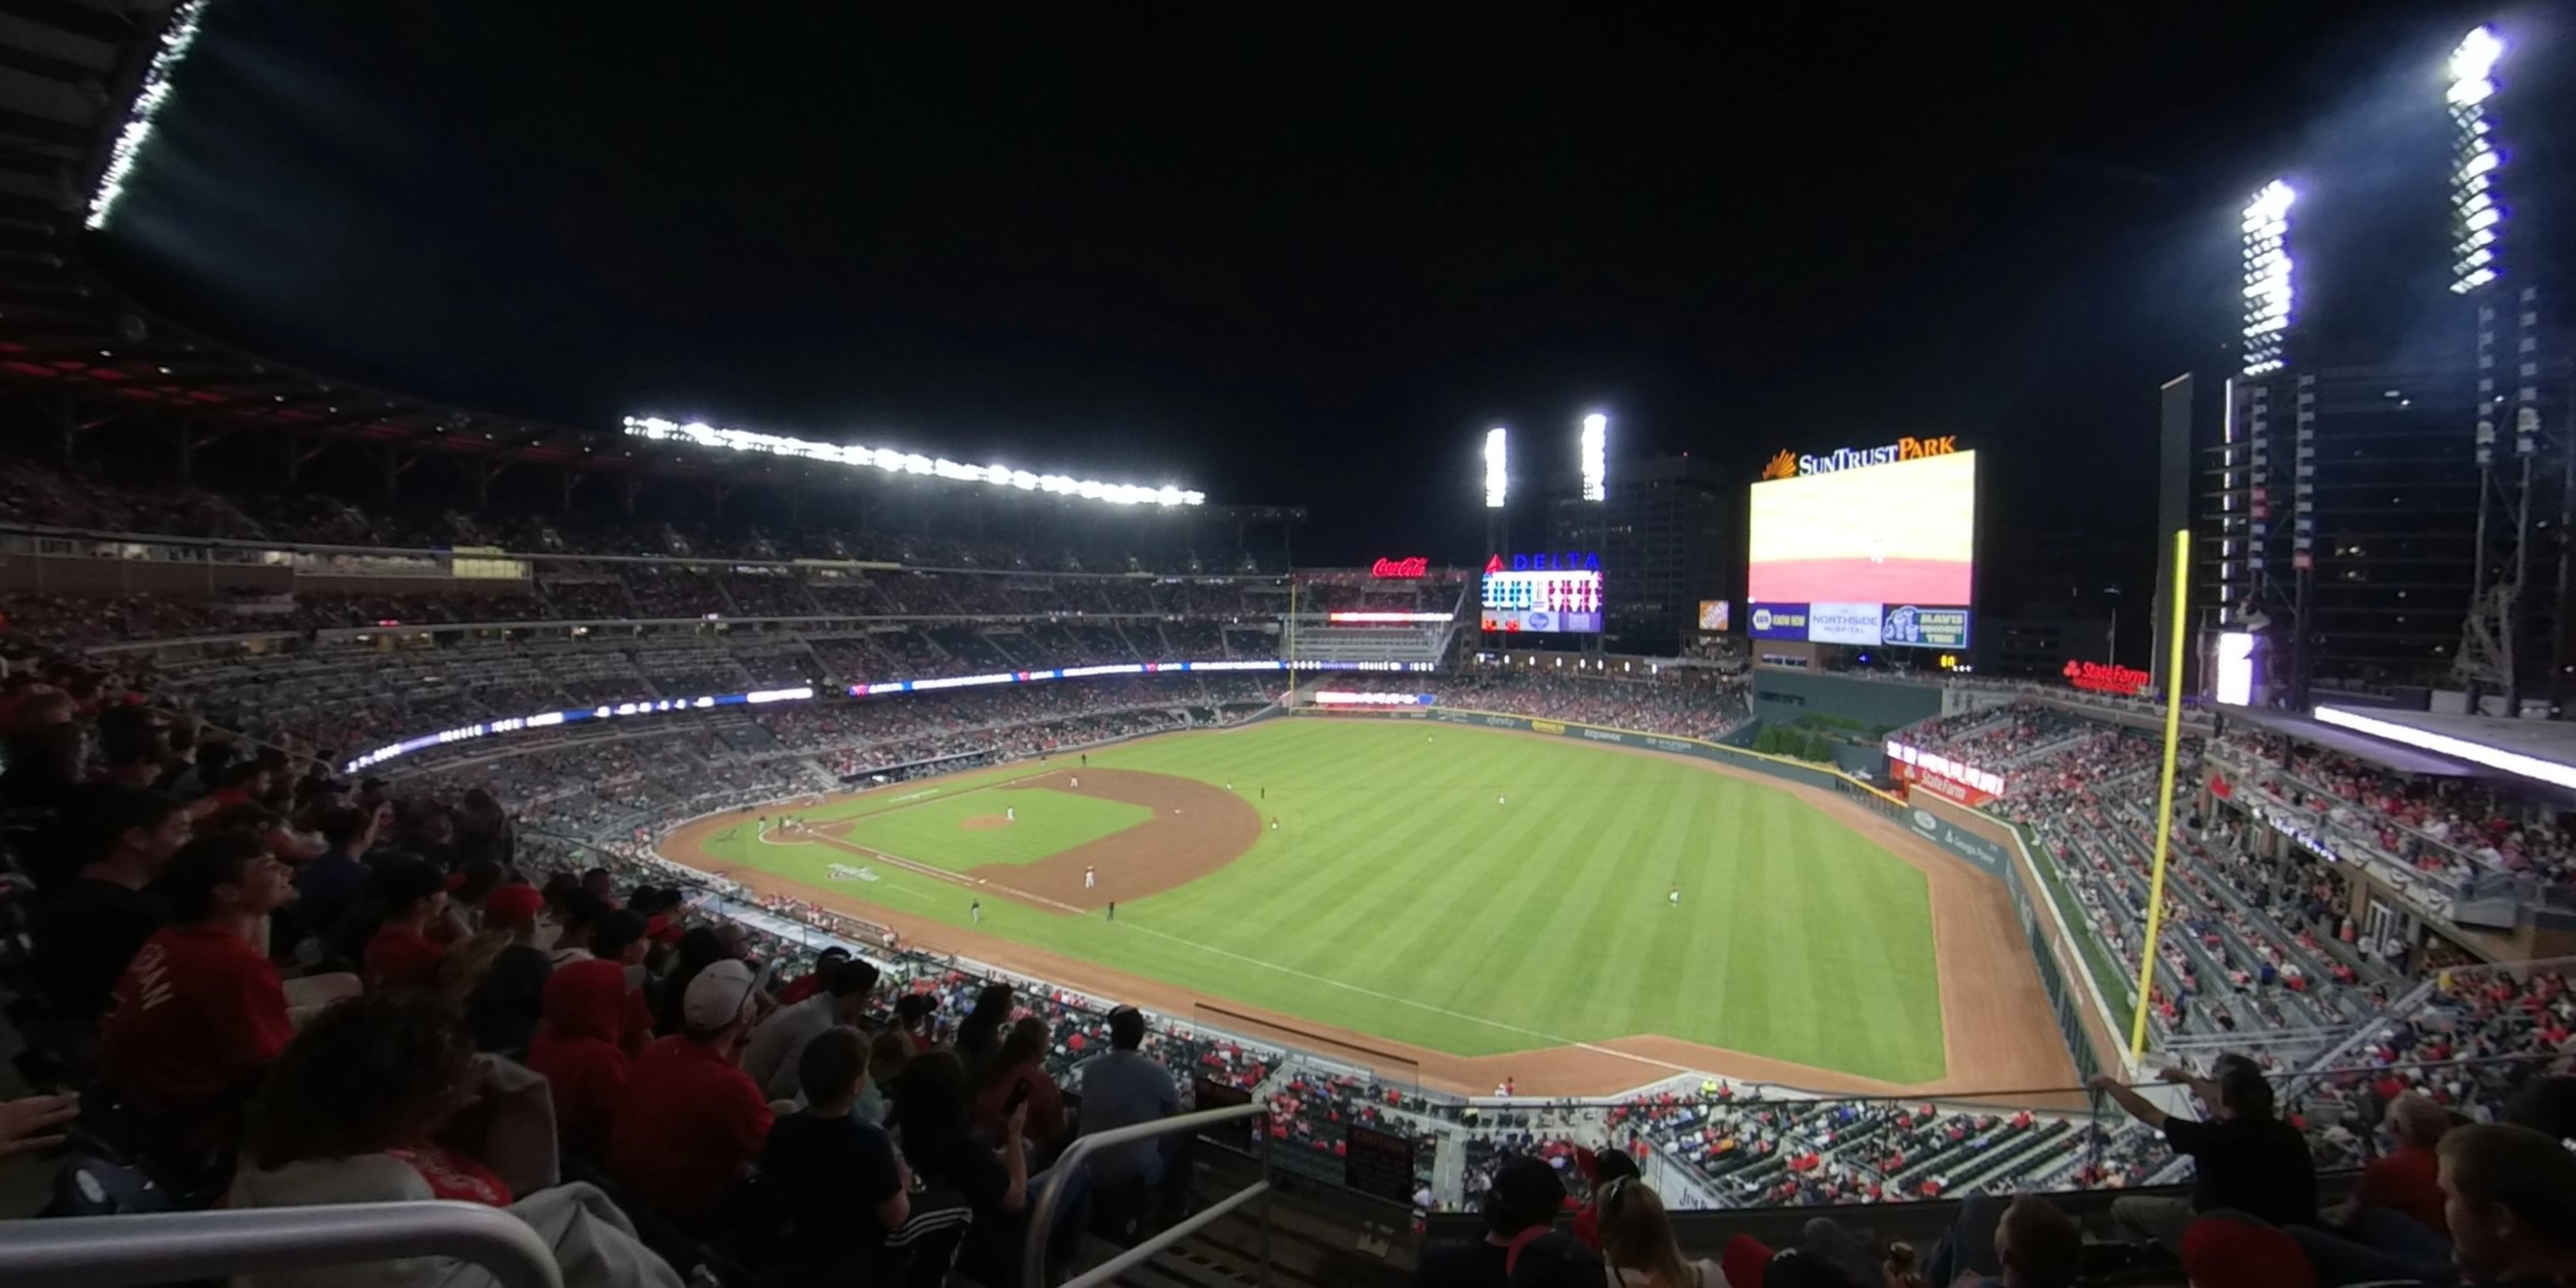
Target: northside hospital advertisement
{"points": [[1856, 549]]}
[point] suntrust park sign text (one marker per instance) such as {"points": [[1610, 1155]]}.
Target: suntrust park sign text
{"points": [[1785, 465]]}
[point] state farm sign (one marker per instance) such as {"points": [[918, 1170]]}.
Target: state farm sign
{"points": [[2106, 677], [1417, 566]]}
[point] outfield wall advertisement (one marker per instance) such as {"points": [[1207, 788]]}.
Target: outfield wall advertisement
{"points": [[1877, 550], [2068, 958]]}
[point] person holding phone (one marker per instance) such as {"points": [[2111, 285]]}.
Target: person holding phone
{"points": [[1017, 1077]]}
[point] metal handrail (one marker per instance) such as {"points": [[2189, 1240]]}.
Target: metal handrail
{"points": [[1050, 1194], [162, 1247]]}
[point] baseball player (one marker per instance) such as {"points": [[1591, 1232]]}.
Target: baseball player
{"points": [[1675, 898], [1090, 877], [1011, 814], [1077, 780], [975, 911]]}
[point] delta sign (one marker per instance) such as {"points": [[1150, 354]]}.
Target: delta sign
{"points": [[1570, 561]]}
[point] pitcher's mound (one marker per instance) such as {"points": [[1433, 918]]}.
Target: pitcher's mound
{"points": [[986, 823]]}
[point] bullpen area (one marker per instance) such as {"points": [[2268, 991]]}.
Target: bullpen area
{"points": [[1472, 904]]}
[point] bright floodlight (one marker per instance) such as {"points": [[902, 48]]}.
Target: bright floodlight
{"points": [[2470, 65], [2475, 213], [127, 146], [2268, 288], [894, 462], [1596, 457], [1497, 477]]}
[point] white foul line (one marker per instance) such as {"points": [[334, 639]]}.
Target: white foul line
{"points": [[1549, 1038]]}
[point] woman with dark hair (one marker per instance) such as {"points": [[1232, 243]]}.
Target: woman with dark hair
{"points": [[362, 1108], [483, 831], [916, 1017], [377, 1075], [699, 948], [979, 1035], [1021, 1063]]}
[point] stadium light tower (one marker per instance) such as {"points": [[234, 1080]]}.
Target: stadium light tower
{"points": [[177, 36], [2511, 345], [1497, 473], [1596, 457], [2475, 212], [2269, 290]]}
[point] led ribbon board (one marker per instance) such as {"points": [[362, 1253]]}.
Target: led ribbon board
{"points": [[765, 697], [891, 461]]}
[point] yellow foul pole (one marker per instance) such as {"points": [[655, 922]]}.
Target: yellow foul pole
{"points": [[2164, 790]]}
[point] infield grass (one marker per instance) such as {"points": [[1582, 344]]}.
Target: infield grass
{"points": [[937, 831], [1399, 898]]}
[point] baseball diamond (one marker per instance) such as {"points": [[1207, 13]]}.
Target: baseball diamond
{"points": [[1811, 942]]}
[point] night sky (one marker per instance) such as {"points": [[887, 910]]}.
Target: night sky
{"points": [[1284, 254]]}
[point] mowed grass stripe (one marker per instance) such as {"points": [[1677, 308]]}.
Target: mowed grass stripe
{"points": [[1518, 914], [1395, 872]]}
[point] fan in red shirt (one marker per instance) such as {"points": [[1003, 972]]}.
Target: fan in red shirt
{"points": [[2407, 1179], [201, 1011], [579, 1049], [1022, 1060], [402, 955], [803, 987], [692, 1121]]}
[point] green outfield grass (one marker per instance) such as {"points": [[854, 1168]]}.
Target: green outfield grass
{"points": [[1399, 898]]}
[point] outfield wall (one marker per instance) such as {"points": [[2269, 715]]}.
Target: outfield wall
{"points": [[2080, 973], [2062, 945], [1786, 693]]}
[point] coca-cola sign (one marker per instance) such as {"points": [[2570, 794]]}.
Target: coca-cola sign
{"points": [[1416, 566]]}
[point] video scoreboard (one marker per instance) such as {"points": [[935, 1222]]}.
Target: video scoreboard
{"points": [[1542, 594]]}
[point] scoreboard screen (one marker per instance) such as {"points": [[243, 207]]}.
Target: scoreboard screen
{"points": [[1543, 601]]}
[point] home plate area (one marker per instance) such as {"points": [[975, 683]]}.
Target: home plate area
{"points": [[1193, 830]]}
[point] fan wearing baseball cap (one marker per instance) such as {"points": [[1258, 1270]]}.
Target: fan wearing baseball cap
{"points": [[692, 1121]]}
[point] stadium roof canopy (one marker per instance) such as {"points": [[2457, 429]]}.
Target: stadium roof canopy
{"points": [[2543, 751], [70, 71], [2359, 746]]}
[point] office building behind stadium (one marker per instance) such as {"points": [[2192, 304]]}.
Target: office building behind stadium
{"points": [[1670, 534], [2375, 482]]}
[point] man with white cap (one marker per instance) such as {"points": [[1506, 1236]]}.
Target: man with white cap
{"points": [[692, 1121]]}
